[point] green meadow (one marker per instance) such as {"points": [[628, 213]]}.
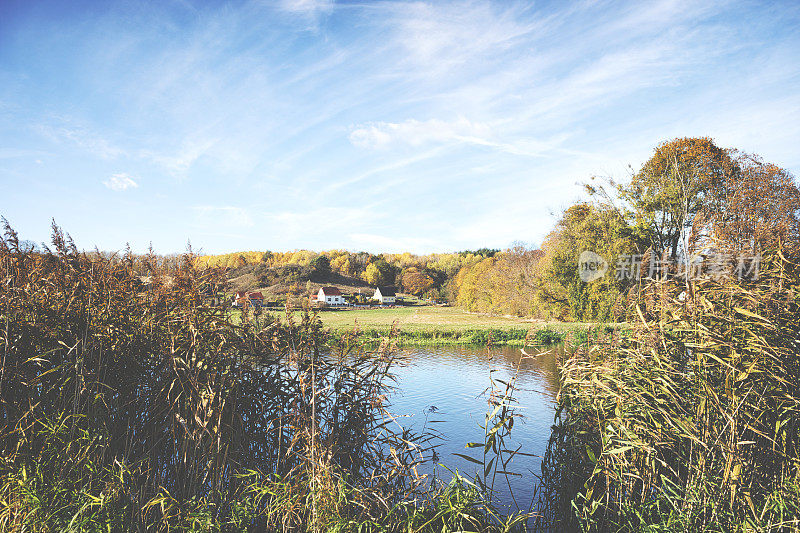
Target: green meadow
{"points": [[429, 325], [424, 324], [426, 318]]}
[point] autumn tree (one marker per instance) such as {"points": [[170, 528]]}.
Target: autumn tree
{"points": [[520, 267], [473, 290], [671, 188], [504, 283], [359, 262], [379, 272], [755, 208], [417, 281], [597, 228]]}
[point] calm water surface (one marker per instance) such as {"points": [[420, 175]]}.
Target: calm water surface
{"points": [[448, 384]]}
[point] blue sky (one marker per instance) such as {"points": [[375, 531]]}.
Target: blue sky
{"points": [[379, 126]]}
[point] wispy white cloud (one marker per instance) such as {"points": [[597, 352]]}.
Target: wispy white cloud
{"points": [[310, 12], [180, 161], [121, 182], [445, 35], [415, 133], [389, 118], [83, 139], [393, 166], [222, 216], [307, 7]]}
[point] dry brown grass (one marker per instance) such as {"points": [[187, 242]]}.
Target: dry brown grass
{"points": [[692, 424], [135, 406]]}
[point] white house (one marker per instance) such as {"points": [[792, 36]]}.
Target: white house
{"points": [[385, 295], [330, 296]]}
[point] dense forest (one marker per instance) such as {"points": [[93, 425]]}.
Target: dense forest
{"points": [[689, 197]]}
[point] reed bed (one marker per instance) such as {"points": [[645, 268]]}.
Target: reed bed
{"points": [[691, 422], [128, 404]]}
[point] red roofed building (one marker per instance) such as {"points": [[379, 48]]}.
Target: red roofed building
{"points": [[330, 296], [254, 298]]}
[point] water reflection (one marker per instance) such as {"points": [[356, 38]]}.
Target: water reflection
{"points": [[445, 387]]}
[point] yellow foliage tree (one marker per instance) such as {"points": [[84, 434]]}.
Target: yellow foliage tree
{"points": [[416, 281], [372, 275]]}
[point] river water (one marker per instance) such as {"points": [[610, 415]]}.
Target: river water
{"points": [[444, 388]]}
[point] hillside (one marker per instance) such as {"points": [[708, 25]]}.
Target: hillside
{"points": [[277, 284]]}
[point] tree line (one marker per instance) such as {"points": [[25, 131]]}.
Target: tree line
{"points": [[689, 197]]}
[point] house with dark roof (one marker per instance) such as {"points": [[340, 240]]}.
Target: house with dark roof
{"points": [[385, 295], [330, 296]]}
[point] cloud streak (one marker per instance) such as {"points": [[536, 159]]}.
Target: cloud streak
{"points": [[415, 133], [222, 216], [306, 123], [121, 182]]}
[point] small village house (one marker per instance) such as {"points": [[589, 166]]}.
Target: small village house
{"points": [[256, 298], [330, 296], [253, 298], [385, 295]]}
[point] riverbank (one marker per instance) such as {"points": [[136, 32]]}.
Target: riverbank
{"points": [[474, 337], [144, 411], [422, 325], [431, 325]]}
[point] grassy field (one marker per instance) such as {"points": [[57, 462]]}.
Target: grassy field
{"points": [[421, 324], [416, 318], [425, 324]]}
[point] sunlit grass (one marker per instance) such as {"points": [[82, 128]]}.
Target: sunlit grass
{"points": [[430, 325], [427, 318]]}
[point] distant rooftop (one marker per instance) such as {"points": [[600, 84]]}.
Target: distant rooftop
{"points": [[331, 291], [387, 291]]}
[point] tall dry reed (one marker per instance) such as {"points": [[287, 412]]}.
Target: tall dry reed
{"points": [[693, 422], [128, 402]]}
